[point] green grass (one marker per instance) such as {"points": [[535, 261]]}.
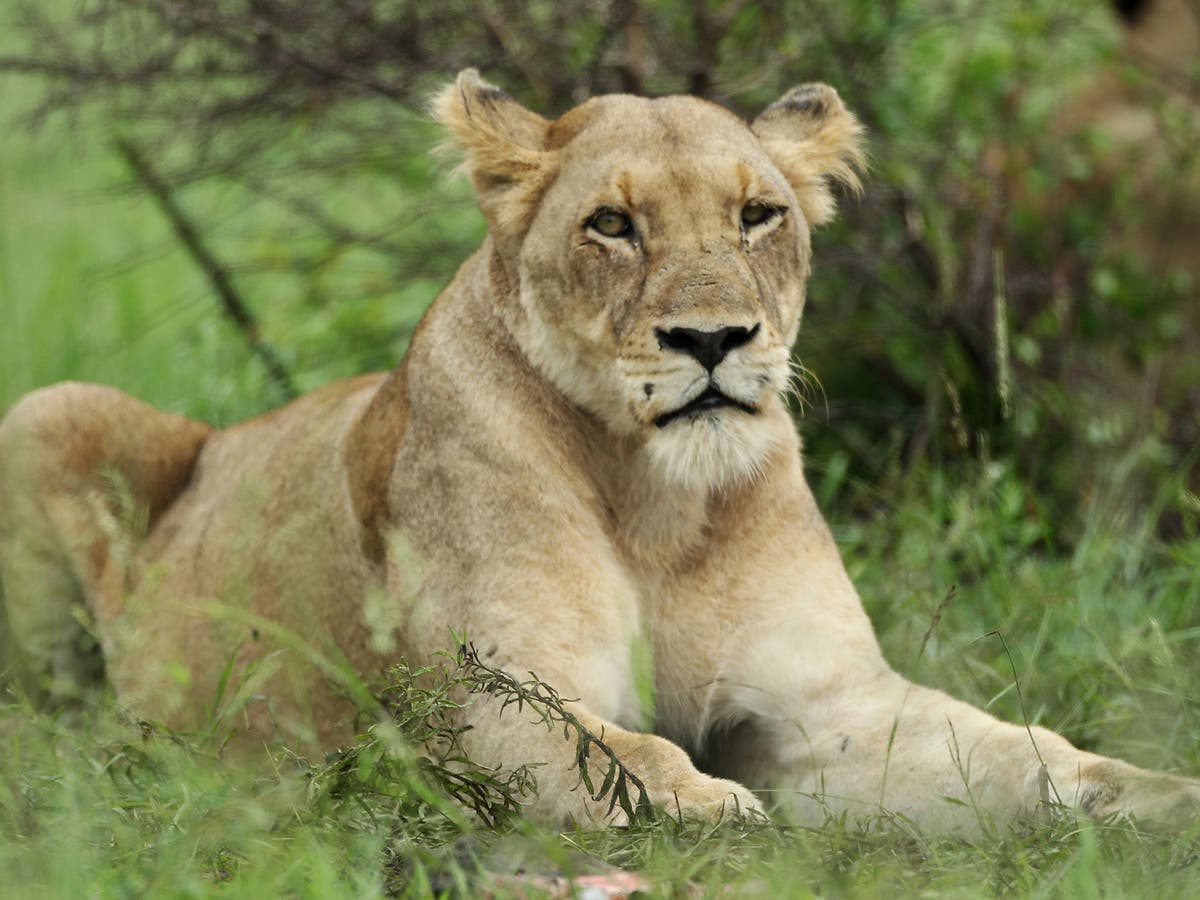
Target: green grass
{"points": [[1102, 640], [99, 808]]}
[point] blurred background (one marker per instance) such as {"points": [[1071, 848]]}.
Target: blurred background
{"points": [[215, 204]]}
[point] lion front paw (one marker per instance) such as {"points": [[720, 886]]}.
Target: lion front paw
{"points": [[715, 799], [1115, 788]]}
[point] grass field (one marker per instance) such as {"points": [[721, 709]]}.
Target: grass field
{"points": [[1102, 640]]}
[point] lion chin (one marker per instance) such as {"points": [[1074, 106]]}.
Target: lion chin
{"points": [[714, 450]]}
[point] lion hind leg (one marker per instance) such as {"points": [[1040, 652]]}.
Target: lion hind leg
{"points": [[84, 471]]}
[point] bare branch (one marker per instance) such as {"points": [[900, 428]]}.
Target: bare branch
{"points": [[231, 302]]}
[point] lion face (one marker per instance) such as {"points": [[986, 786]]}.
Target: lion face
{"points": [[659, 251]]}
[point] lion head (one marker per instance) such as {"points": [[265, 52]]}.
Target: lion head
{"points": [[650, 256]]}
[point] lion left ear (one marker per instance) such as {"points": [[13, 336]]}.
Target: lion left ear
{"points": [[815, 141], [502, 145]]}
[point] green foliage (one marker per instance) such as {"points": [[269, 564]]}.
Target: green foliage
{"points": [[422, 702], [991, 302]]}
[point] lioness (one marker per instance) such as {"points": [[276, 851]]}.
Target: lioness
{"points": [[584, 452]]}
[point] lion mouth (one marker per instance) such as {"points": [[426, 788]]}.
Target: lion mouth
{"points": [[709, 400]]}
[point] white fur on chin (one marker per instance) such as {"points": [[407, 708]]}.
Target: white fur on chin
{"points": [[712, 451]]}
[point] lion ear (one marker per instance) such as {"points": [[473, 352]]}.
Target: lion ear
{"points": [[502, 145], [815, 141]]}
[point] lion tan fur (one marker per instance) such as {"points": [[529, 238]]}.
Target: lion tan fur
{"points": [[584, 452]]}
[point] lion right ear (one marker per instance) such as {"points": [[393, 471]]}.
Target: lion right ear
{"points": [[814, 140], [502, 144]]}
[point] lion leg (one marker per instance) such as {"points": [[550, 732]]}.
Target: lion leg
{"points": [[568, 618], [888, 747], [84, 470], [506, 735], [799, 701]]}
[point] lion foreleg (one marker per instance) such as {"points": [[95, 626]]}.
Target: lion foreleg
{"points": [[788, 693], [590, 770], [884, 747]]}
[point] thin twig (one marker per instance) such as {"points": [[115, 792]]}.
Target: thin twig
{"points": [[937, 618]]}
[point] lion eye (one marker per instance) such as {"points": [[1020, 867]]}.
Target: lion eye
{"points": [[611, 223], [755, 213]]}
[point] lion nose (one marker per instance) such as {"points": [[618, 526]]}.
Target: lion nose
{"points": [[706, 347]]}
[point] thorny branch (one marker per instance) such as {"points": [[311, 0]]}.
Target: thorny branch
{"points": [[617, 781]]}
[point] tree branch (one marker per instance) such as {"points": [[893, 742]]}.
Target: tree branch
{"points": [[231, 302]]}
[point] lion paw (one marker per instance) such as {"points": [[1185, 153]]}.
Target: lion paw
{"points": [[715, 799], [1153, 798]]}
